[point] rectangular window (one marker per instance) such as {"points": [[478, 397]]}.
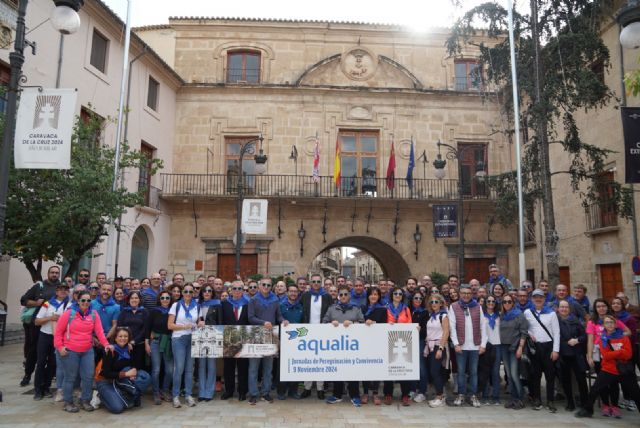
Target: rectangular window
{"points": [[144, 175], [468, 75], [233, 146], [96, 123], [243, 67], [608, 213], [152, 94], [5, 76], [99, 51], [473, 159], [359, 156]]}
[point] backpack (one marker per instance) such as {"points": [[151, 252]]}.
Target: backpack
{"points": [[28, 314], [72, 316], [127, 392]]}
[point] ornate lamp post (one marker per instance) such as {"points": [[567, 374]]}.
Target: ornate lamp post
{"points": [[417, 237], [261, 160]]}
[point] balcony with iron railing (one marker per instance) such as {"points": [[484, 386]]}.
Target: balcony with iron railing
{"points": [[299, 186], [601, 217], [151, 195]]}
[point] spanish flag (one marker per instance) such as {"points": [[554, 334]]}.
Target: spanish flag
{"points": [[337, 163]]}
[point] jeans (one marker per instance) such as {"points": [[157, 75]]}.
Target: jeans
{"points": [[435, 372], [46, 365], [59, 372], [511, 367], [111, 399], [467, 363], [605, 381], [182, 364], [489, 371], [78, 363], [254, 366], [424, 371], [206, 377], [157, 358]]}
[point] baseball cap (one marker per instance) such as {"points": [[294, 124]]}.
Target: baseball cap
{"points": [[537, 292]]}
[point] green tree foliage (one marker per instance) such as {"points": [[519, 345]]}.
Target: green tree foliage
{"points": [[56, 214], [560, 55]]}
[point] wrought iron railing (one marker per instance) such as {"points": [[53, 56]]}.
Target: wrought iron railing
{"points": [[600, 215], [221, 185]]}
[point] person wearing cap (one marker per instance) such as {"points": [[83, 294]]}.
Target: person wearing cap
{"points": [[46, 319], [468, 335], [544, 330]]}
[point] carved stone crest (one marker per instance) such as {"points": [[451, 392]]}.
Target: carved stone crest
{"points": [[358, 64]]}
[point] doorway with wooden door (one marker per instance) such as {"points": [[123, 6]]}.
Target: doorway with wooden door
{"points": [[610, 280], [227, 266], [477, 268], [565, 277]]}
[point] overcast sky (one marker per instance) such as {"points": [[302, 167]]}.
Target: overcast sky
{"points": [[417, 14]]}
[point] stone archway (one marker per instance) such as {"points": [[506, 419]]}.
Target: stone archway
{"points": [[391, 261], [139, 253]]}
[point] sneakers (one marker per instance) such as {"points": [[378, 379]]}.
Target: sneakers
{"points": [[584, 413], [605, 410], [419, 398], [190, 401], [86, 406], [551, 407], [156, 399], [253, 400], [267, 398], [95, 401], [176, 403], [332, 400], [25, 381], [281, 397], [474, 401], [518, 405], [47, 393], [71, 408], [59, 397], [537, 405], [509, 404], [459, 401], [320, 395], [406, 401], [356, 402], [37, 396], [388, 399], [437, 402], [496, 402], [615, 412], [485, 402], [376, 400], [631, 406], [364, 399], [305, 394]]}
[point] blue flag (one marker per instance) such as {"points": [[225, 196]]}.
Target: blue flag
{"points": [[412, 164]]}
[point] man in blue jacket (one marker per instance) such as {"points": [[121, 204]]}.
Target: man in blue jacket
{"points": [[291, 309]]}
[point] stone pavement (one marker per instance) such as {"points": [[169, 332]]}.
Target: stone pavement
{"points": [[19, 410]]}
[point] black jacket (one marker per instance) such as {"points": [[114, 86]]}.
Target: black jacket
{"points": [[306, 306], [572, 329], [157, 322], [379, 315], [112, 366], [213, 315], [136, 322], [46, 292], [421, 319], [228, 318]]}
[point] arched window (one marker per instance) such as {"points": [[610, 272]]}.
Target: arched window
{"points": [[243, 66], [139, 254]]}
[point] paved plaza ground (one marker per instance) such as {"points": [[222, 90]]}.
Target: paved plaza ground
{"points": [[19, 410]]}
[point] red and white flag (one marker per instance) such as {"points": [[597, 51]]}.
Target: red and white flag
{"points": [[316, 161]]}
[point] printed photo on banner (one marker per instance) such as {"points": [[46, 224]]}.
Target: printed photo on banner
{"points": [[234, 341], [323, 352], [254, 216]]}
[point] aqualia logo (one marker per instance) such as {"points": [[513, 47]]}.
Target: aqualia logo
{"points": [[317, 345]]}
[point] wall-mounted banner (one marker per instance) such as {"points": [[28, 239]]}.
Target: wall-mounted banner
{"points": [[631, 131], [234, 341], [254, 216], [445, 221], [44, 126], [358, 352]]}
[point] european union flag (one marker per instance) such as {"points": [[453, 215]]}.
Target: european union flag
{"points": [[412, 164]]}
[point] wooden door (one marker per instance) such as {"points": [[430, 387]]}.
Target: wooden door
{"points": [[610, 280], [477, 269], [227, 266], [565, 277]]}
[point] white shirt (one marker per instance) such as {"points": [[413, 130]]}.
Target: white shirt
{"points": [[550, 321], [468, 344], [47, 310], [182, 319], [315, 310], [493, 334]]}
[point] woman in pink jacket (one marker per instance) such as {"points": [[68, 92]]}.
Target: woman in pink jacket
{"points": [[73, 339]]}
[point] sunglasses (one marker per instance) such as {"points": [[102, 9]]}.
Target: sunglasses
{"points": [[83, 275], [253, 287], [316, 282], [265, 284], [165, 298], [491, 301], [418, 298], [84, 300], [434, 302], [343, 294], [398, 293], [93, 288], [208, 290], [507, 302], [187, 291], [237, 288]]}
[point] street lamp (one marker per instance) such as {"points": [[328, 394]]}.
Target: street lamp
{"points": [[294, 156], [629, 19], [301, 234], [454, 153], [260, 168], [417, 237], [64, 22]]}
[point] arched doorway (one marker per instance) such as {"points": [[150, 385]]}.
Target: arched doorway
{"points": [[392, 263], [139, 254]]}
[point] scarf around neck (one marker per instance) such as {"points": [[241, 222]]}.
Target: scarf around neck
{"points": [[209, 303], [288, 305], [434, 315], [76, 307], [371, 308], [491, 318], [622, 315], [162, 309], [511, 314], [237, 304], [471, 304], [56, 304], [546, 309], [187, 310], [122, 351], [616, 334], [396, 311], [266, 301], [346, 306], [317, 294], [103, 306]]}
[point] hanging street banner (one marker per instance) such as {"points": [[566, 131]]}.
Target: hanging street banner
{"points": [[445, 221], [631, 132], [234, 341], [358, 352], [44, 126], [254, 216]]}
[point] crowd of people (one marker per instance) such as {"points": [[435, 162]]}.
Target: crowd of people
{"points": [[128, 335]]}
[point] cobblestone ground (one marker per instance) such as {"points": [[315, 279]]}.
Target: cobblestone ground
{"points": [[19, 410]]}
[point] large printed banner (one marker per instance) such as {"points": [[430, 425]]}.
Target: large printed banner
{"points": [[631, 131], [234, 341], [358, 352]]}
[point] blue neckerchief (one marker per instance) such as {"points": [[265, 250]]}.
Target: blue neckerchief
{"points": [[617, 334], [396, 310], [103, 306], [266, 301], [162, 309], [317, 294], [151, 291], [546, 309], [522, 308], [237, 304], [417, 310], [346, 306], [622, 315], [130, 309], [497, 280], [491, 318], [511, 314], [76, 307], [357, 296], [187, 311], [210, 302], [56, 304], [385, 299], [570, 317], [434, 315], [290, 305], [472, 304], [371, 308], [122, 351]]}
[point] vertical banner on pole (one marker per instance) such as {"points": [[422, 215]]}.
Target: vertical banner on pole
{"points": [[44, 126], [631, 131], [445, 221], [254, 216]]}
